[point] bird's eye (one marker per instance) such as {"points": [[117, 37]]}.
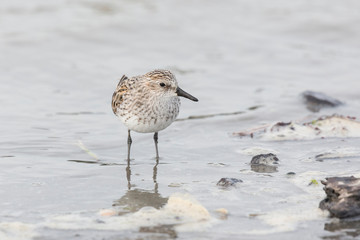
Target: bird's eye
{"points": [[162, 84]]}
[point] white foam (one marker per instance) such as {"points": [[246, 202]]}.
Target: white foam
{"points": [[17, 231], [181, 210], [327, 127], [305, 207]]}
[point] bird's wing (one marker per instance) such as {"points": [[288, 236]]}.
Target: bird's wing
{"points": [[117, 97], [122, 79]]}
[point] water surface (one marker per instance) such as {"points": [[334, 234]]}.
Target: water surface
{"points": [[62, 151]]}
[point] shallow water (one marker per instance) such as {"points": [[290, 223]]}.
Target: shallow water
{"points": [[62, 151]]}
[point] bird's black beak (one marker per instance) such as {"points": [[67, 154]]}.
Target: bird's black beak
{"points": [[184, 94]]}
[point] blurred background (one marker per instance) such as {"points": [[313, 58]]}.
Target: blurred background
{"points": [[61, 60]]}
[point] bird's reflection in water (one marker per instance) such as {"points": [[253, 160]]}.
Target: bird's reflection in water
{"points": [[135, 199]]}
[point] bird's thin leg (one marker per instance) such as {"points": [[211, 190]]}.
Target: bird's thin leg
{"points": [[156, 145], [129, 141]]}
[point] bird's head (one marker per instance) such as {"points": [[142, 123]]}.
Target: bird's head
{"points": [[164, 82]]}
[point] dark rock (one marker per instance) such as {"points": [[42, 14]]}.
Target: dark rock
{"points": [[264, 163], [266, 159], [227, 182], [291, 174], [316, 100], [342, 197]]}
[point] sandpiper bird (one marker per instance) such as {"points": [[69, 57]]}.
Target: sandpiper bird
{"points": [[148, 103]]}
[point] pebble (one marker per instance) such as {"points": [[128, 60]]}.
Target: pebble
{"points": [[227, 182], [264, 163]]}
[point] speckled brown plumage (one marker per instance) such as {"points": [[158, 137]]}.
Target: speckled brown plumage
{"points": [[117, 97], [148, 103]]}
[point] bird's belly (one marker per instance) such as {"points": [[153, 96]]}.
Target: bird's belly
{"points": [[150, 118], [147, 125]]}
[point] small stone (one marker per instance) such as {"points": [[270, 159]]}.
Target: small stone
{"points": [[227, 182], [264, 163], [99, 221], [290, 174]]}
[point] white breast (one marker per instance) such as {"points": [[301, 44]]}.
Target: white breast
{"points": [[151, 118]]}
